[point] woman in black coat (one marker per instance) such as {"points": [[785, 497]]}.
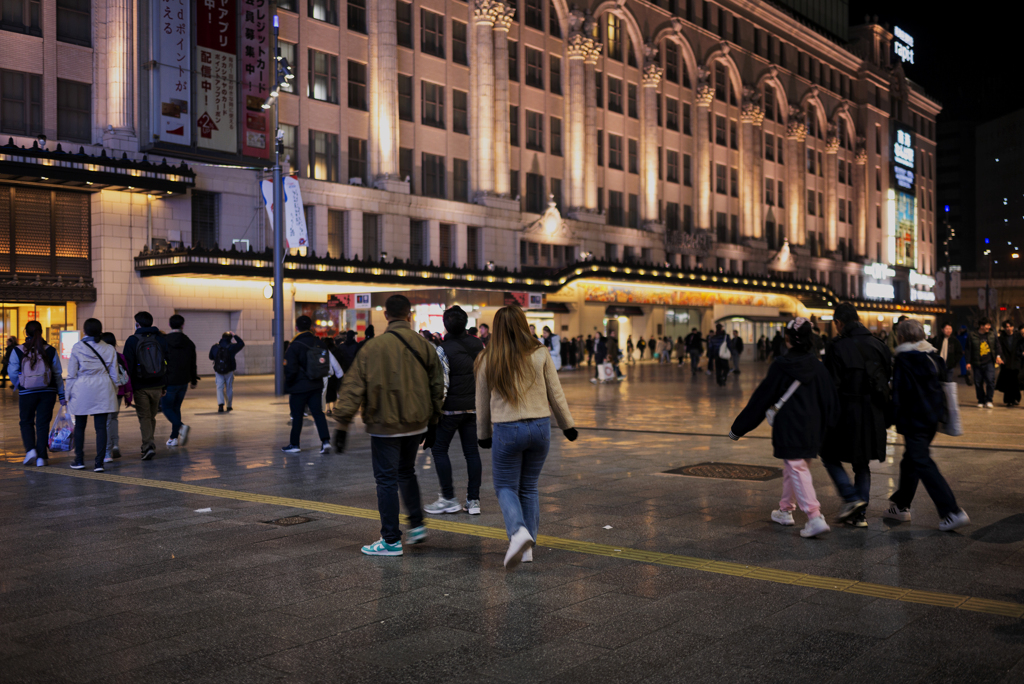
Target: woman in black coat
{"points": [[1011, 346], [799, 425]]}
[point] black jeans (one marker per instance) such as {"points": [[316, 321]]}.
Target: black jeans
{"points": [[100, 423], [721, 370], [984, 382], [394, 469], [917, 466], [36, 413], [314, 401], [465, 425]]}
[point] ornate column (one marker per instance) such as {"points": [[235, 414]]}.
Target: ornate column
{"points": [[704, 96], [382, 31], [860, 197], [502, 151], [831, 190], [577, 48], [649, 138], [796, 132], [482, 121], [590, 123], [119, 66], [749, 149]]}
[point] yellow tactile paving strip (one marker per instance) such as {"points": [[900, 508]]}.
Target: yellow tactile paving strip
{"points": [[754, 572]]}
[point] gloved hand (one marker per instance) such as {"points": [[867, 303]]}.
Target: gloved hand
{"points": [[340, 436], [429, 436], [571, 434], [484, 443]]}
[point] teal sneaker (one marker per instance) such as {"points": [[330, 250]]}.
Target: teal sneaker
{"points": [[382, 548], [416, 535]]}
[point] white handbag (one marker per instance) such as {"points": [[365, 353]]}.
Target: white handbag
{"points": [[723, 351]]}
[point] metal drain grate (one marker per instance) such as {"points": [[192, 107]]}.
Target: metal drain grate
{"points": [[292, 520], [728, 471]]}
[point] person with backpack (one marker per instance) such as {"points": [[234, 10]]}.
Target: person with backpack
{"points": [[919, 405], [224, 365], [860, 366], [457, 352], [799, 400], [146, 354], [92, 390], [35, 373], [182, 372], [124, 392], [398, 382], [307, 364]]}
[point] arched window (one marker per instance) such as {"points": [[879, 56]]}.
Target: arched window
{"points": [[613, 37]]}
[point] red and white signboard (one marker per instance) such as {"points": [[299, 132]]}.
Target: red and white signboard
{"points": [[172, 79], [216, 109], [257, 69]]}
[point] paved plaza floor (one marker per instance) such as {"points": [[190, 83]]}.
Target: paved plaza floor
{"points": [[170, 570]]}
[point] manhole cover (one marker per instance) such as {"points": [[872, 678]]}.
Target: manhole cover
{"points": [[293, 520], [728, 471]]}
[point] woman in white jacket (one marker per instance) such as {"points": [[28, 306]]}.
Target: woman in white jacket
{"points": [[91, 390]]}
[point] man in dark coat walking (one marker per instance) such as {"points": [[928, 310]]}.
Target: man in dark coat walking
{"points": [[950, 349], [858, 363], [1010, 348]]}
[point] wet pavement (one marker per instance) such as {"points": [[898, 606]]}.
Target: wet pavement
{"points": [[645, 576]]}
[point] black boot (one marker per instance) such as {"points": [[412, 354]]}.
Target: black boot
{"points": [[220, 408]]}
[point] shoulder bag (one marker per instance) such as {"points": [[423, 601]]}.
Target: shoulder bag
{"points": [[777, 406]]}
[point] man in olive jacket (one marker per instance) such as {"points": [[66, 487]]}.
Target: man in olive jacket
{"points": [[397, 380]]}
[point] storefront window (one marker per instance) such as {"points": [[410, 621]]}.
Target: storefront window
{"points": [[326, 321], [53, 317]]}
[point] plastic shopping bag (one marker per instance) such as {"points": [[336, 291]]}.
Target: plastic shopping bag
{"points": [[62, 434], [605, 371]]}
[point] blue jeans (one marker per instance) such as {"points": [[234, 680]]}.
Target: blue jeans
{"points": [[984, 381], [517, 456], [170, 404], [695, 360], [465, 425], [860, 490], [917, 466], [394, 469]]}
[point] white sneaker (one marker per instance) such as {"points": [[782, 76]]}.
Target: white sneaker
{"points": [[593, 380], [954, 520], [40, 462], [325, 448], [894, 512], [988, 404], [519, 542], [981, 405], [782, 517], [183, 435], [443, 505], [528, 555], [814, 527], [172, 442], [29, 457], [473, 506], [108, 459]]}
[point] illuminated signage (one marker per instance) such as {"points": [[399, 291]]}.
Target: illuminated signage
{"points": [[879, 291], [880, 286], [921, 279], [904, 178], [903, 46], [925, 281], [921, 296], [903, 149], [879, 271]]}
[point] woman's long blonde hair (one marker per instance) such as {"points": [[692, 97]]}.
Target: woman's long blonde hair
{"points": [[508, 354]]}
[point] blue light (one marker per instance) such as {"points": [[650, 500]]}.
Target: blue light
{"points": [[986, 241], [276, 25], [947, 208]]}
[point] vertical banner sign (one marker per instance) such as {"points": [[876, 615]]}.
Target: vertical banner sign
{"points": [[295, 235], [173, 82], [216, 101], [257, 68]]}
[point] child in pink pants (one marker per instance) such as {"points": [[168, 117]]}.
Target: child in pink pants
{"points": [[799, 399]]}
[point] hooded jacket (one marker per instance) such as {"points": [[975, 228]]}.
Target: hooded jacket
{"points": [[92, 378], [917, 396], [231, 349], [181, 359], [461, 351], [800, 424]]}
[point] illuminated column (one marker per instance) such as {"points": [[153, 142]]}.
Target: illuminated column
{"points": [[705, 95], [482, 66], [382, 31], [577, 48], [831, 190], [860, 199], [119, 65], [590, 127], [796, 131], [649, 140], [502, 151], [757, 174], [750, 149]]}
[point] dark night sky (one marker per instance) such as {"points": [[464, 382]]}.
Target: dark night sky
{"points": [[966, 58]]}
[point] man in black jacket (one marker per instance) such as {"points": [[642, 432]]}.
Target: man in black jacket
{"points": [[695, 348], [457, 352], [919, 404], [860, 366], [305, 392], [148, 373], [224, 366], [181, 372]]}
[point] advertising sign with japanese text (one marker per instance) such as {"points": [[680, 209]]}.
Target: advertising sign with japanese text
{"points": [[172, 80], [216, 110], [295, 235], [257, 72]]}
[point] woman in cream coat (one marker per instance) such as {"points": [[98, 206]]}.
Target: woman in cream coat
{"points": [[92, 390]]}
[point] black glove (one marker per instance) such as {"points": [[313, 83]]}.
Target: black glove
{"points": [[429, 436], [339, 441], [571, 434], [484, 443]]}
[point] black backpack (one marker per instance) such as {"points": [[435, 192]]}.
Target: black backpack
{"points": [[222, 361], [880, 389], [318, 365], [149, 358]]}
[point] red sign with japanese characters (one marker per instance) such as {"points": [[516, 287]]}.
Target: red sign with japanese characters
{"points": [[216, 108], [257, 73]]}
